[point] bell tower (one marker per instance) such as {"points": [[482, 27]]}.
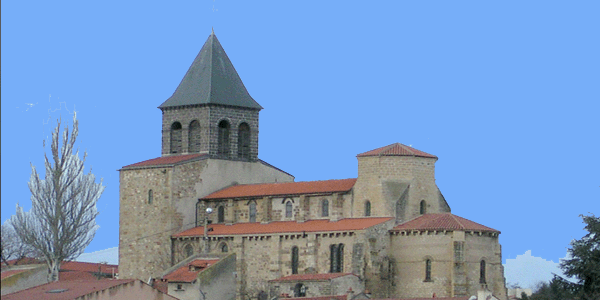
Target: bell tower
{"points": [[211, 112]]}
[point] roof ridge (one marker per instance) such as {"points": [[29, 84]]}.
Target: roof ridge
{"points": [[458, 221]]}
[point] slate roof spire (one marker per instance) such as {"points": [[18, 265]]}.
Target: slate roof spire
{"points": [[211, 79]]}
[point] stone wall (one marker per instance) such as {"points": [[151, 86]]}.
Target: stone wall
{"points": [[209, 117], [145, 228], [411, 250], [382, 180], [266, 257]]}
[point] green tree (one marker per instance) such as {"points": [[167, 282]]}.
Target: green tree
{"points": [[583, 267], [584, 264]]}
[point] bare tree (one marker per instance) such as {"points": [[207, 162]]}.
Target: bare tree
{"points": [[12, 247], [62, 219]]}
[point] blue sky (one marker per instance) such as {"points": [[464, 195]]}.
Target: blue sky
{"points": [[506, 94]]}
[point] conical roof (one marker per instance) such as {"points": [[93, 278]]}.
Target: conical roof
{"points": [[211, 79]]}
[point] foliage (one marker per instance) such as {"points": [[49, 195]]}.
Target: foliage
{"points": [[583, 266], [62, 219]]}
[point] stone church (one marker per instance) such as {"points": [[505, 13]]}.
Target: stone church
{"points": [[388, 233]]}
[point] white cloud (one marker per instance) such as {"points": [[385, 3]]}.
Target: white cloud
{"points": [[528, 270], [110, 255]]}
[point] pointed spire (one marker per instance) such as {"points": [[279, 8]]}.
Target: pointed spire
{"points": [[211, 79]]}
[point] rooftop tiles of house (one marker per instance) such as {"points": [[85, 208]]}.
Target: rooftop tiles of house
{"points": [[65, 290], [187, 274], [311, 277], [443, 221], [350, 224], [284, 188], [397, 149]]}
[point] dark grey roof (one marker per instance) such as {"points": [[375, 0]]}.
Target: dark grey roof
{"points": [[211, 79]]}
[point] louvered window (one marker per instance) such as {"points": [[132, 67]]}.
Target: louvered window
{"points": [[367, 208], [423, 207]]}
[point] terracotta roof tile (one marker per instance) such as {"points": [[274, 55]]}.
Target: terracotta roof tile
{"points": [[166, 161], [184, 274], [444, 221], [308, 277], [284, 188], [76, 275], [286, 227], [337, 297], [396, 149], [74, 289], [89, 267], [437, 298], [25, 261]]}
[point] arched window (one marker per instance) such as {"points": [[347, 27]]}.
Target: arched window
{"points": [[294, 260], [325, 208], [252, 212], [423, 207], [482, 271], [300, 290], [223, 138], [336, 258], [176, 138], [367, 208], [189, 250], [244, 141], [288, 209], [194, 137], [221, 214], [150, 197], [428, 270], [224, 248], [333, 259]]}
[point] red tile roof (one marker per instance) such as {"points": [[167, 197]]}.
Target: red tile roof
{"points": [[89, 267], [309, 277], [440, 298], [350, 224], [444, 221], [76, 275], [25, 261], [166, 160], [338, 297], [396, 149], [284, 188], [184, 274], [74, 289]]}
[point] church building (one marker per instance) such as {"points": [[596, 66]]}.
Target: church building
{"points": [[209, 202]]}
